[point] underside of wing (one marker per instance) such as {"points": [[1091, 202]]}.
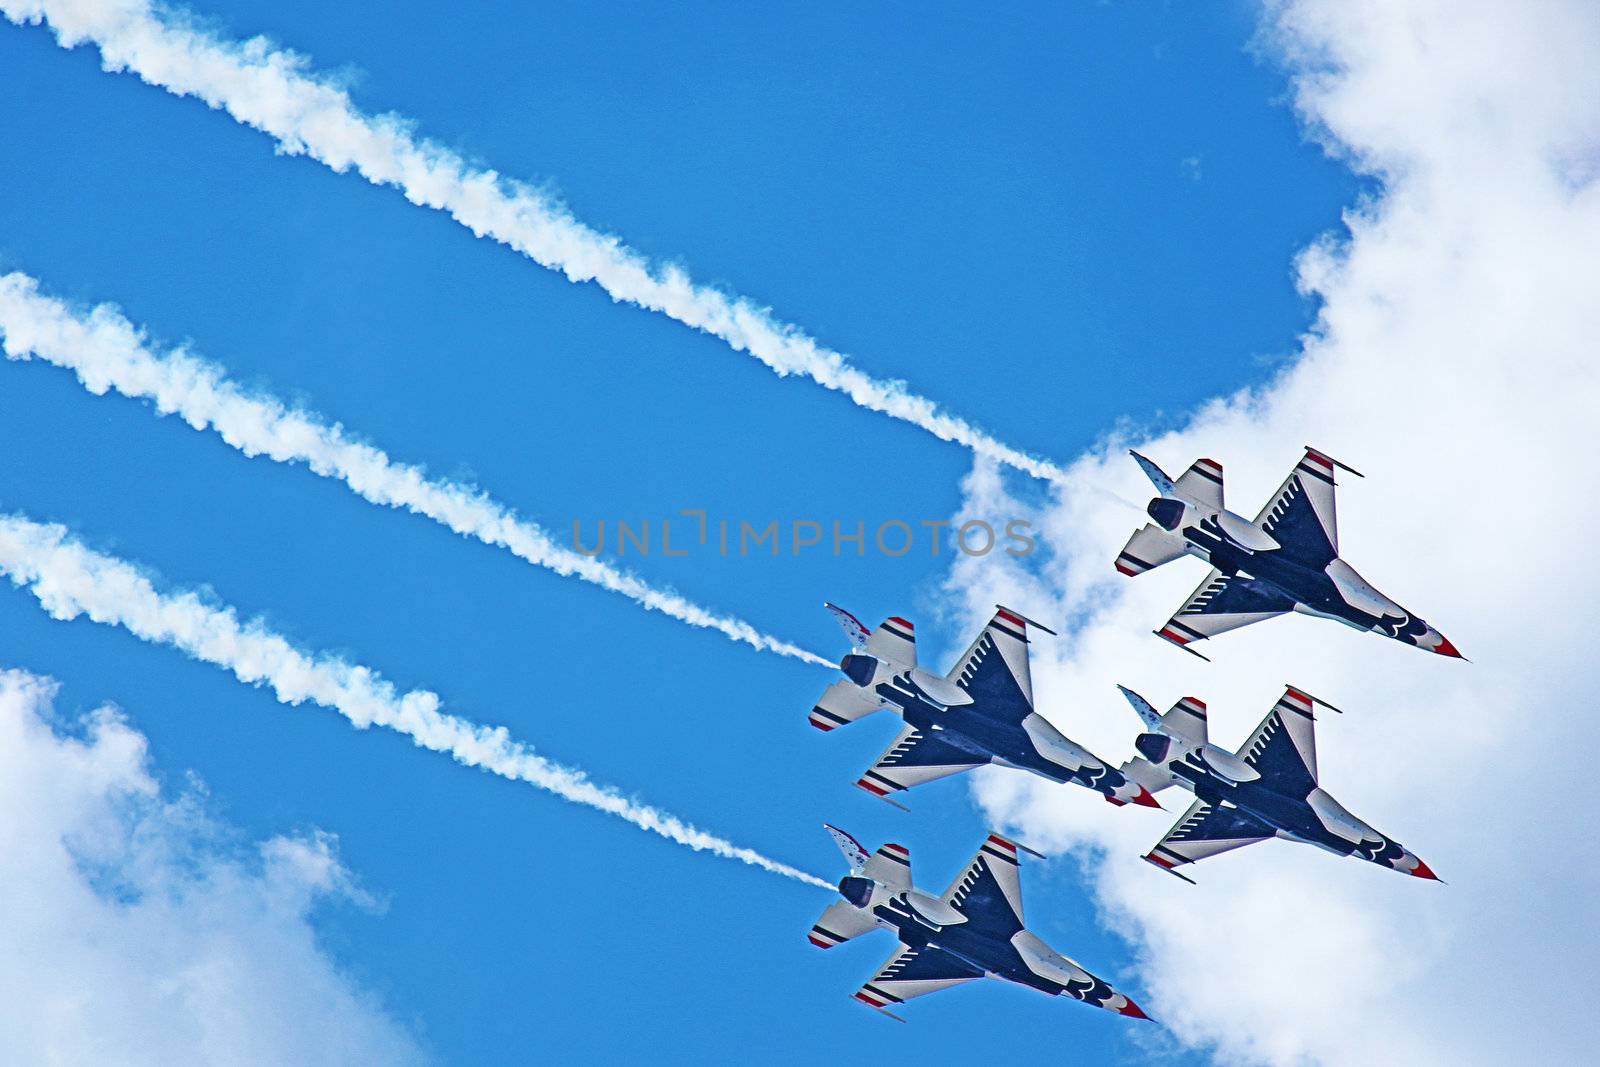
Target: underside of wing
{"points": [[912, 973], [989, 891], [1301, 515], [995, 671], [1224, 603], [1206, 830], [913, 759], [1284, 747]]}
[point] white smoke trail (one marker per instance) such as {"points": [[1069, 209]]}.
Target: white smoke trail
{"points": [[70, 580], [106, 351], [272, 90]]}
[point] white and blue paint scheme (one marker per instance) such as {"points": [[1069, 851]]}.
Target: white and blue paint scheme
{"points": [[974, 930], [1286, 559], [980, 713], [1267, 789]]}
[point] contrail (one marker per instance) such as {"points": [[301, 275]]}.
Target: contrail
{"points": [[274, 91], [70, 580], [106, 351]]}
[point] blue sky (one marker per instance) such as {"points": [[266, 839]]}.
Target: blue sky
{"points": [[1053, 222]]}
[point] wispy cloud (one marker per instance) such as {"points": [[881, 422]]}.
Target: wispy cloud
{"points": [[138, 930], [70, 580], [1453, 363], [107, 352], [274, 91]]}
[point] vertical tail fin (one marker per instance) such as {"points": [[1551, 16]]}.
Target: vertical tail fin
{"points": [[1186, 718], [852, 627], [854, 853], [1158, 477]]}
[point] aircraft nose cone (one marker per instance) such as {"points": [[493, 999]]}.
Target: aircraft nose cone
{"points": [[1145, 799], [1132, 1010], [1445, 648], [1422, 870]]}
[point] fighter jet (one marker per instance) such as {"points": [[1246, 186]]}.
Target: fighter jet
{"points": [[1286, 560], [981, 712], [974, 931], [1267, 789]]}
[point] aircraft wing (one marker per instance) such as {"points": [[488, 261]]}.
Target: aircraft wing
{"points": [[995, 671], [1223, 603], [913, 972], [915, 758], [1206, 830], [1301, 515], [989, 891], [1284, 746]]}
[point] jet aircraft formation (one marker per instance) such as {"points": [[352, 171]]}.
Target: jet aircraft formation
{"points": [[982, 712]]}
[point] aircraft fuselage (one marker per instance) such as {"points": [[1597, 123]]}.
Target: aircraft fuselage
{"points": [[1334, 591], [1031, 745], [1315, 818]]}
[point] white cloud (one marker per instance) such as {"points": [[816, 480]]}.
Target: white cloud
{"points": [[138, 931], [1453, 362]]}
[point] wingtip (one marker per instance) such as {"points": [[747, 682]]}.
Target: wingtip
{"points": [[1166, 636]]}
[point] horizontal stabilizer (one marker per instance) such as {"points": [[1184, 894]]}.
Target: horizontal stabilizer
{"points": [[1149, 547], [1141, 771], [891, 865], [840, 922], [1187, 719], [841, 703], [895, 641], [1202, 483]]}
